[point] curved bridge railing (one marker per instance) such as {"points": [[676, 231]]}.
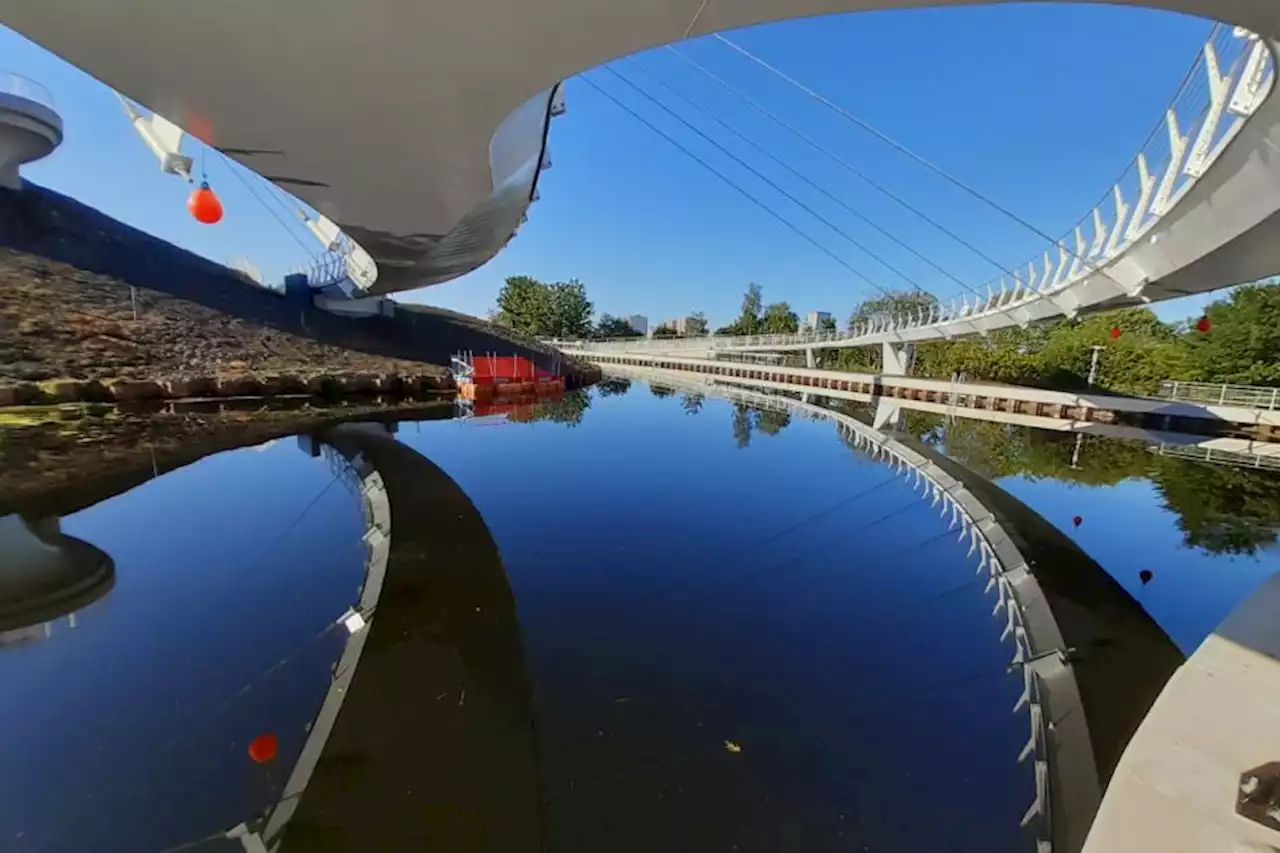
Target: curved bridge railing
{"points": [[1231, 78]]}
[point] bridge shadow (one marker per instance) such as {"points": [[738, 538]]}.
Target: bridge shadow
{"points": [[434, 748]]}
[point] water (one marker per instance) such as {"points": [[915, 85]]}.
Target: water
{"points": [[639, 619]]}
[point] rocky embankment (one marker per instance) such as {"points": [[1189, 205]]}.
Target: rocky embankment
{"points": [[92, 309]]}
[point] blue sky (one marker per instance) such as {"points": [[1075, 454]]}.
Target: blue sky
{"points": [[1040, 107]]}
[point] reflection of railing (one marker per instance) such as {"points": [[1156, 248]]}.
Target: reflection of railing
{"points": [[24, 87], [1217, 456], [1007, 575], [1248, 396], [1229, 80]]}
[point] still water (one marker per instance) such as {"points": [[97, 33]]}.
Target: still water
{"points": [[636, 619]]}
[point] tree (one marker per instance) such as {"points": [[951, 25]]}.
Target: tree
{"points": [[660, 390], [826, 324], [1243, 342], [779, 319], [537, 309], [613, 387], [665, 332], [524, 305], [697, 325], [570, 310], [891, 305], [609, 326]]}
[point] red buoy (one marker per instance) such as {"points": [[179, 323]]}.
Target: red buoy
{"points": [[263, 748], [1115, 332], [204, 205], [1203, 324], [1145, 576], [1076, 521]]}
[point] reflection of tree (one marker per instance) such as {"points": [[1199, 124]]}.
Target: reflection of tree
{"points": [[741, 424], [771, 422], [692, 402], [1221, 510], [615, 387], [660, 390], [748, 419], [567, 410]]}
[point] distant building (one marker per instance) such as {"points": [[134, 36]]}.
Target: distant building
{"points": [[639, 322], [680, 325], [816, 320]]}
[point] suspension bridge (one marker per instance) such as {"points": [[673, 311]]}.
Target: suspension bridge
{"points": [[1196, 210]]}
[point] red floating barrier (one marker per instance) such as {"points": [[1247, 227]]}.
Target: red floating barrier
{"points": [[263, 748]]}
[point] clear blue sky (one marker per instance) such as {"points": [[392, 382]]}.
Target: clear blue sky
{"points": [[1039, 106]]}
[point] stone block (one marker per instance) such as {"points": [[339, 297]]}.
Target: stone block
{"points": [[203, 386], [128, 390], [239, 386]]}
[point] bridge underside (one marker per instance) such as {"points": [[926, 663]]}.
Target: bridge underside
{"points": [[419, 128]]}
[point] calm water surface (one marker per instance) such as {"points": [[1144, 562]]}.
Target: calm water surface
{"points": [[639, 619]]}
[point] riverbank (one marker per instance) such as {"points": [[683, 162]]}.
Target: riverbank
{"points": [[60, 459], [85, 298]]}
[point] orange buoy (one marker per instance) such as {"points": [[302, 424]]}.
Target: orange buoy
{"points": [[1203, 324], [263, 748], [1115, 332], [204, 205]]}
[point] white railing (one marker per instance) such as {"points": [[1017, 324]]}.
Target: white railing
{"points": [[1231, 77], [25, 87], [1248, 396]]}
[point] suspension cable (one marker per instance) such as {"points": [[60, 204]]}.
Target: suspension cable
{"points": [[744, 164], [845, 164], [274, 215], [841, 261], [808, 181], [898, 146]]}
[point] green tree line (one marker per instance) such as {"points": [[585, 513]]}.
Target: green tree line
{"points": [[561, 309], [1241, 344]]}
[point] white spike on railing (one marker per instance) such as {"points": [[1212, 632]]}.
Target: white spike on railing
{"points": [[1177, 148], [1025, 698], [1078, 259], [1099, 234], [1048, 273], [1063, 257], [1145, 185], [1036, 715], [1122, 211], [1219, 85], [1249, 91]]}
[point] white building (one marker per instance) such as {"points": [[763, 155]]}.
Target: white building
{"points": [[816, 319]]}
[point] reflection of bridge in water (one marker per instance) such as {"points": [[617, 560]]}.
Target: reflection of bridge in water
{"points": [[1181, 734]]}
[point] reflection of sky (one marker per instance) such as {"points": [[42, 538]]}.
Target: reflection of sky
{"points": [[793, 597], [1127, 529], [223, 568]]}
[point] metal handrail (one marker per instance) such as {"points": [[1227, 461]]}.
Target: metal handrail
{"points": [[1223, 394], [25, 87], [1233, 74]]}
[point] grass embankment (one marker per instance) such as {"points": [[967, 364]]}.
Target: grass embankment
{"points": [[93, 309]]}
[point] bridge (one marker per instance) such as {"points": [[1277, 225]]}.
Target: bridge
{"points": [[429, 177]]}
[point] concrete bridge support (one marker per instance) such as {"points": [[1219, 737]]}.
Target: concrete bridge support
{"points": [[810, 358], [896, 359]]}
